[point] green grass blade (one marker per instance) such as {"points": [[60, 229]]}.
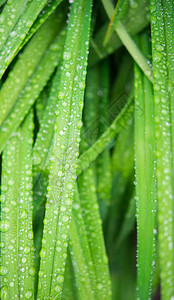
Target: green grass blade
{"points": [[90, 112], [45, 135], [17, 249], [145, 160], [104, 176], [128, 223], [120, 10], [21, 15], [128, 42], [39, 194], [32, 89], [42, 17], [2, 2], [9, 16], [69, 288], [63, 169], [41, 104], [136, 20], [162, 53], [26, 64], [94, 233], [80, 253], [102, 143]]}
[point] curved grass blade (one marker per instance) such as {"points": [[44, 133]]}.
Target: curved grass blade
{"points": [[129, 43], [120, 10], [17, 249], [163, 70], [32, 89], [27, 64], [145, 162], [136, 20], [65, 153], [21, 14]]}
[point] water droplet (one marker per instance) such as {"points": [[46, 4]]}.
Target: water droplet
{"points": [[24, 214], [11, 284], [66, 55], [57, 288], [32, 271], [82, 86], [4, 293], [43, 252], [3, 270], [99, 286], [4, 225], [28, 294], [61, 96]]}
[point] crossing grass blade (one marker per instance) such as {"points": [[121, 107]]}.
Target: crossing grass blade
{"points": [[136, 20], [17, 249], [163, 72], [65, 152], [128, 42], [32, 88], [145, 163], [119, 11], [16, 18]]}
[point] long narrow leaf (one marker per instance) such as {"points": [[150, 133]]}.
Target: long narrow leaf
{"points": [[145, 180], [162, 53], [17, 249], [80, 253], [66, 144], [119, 11]]}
